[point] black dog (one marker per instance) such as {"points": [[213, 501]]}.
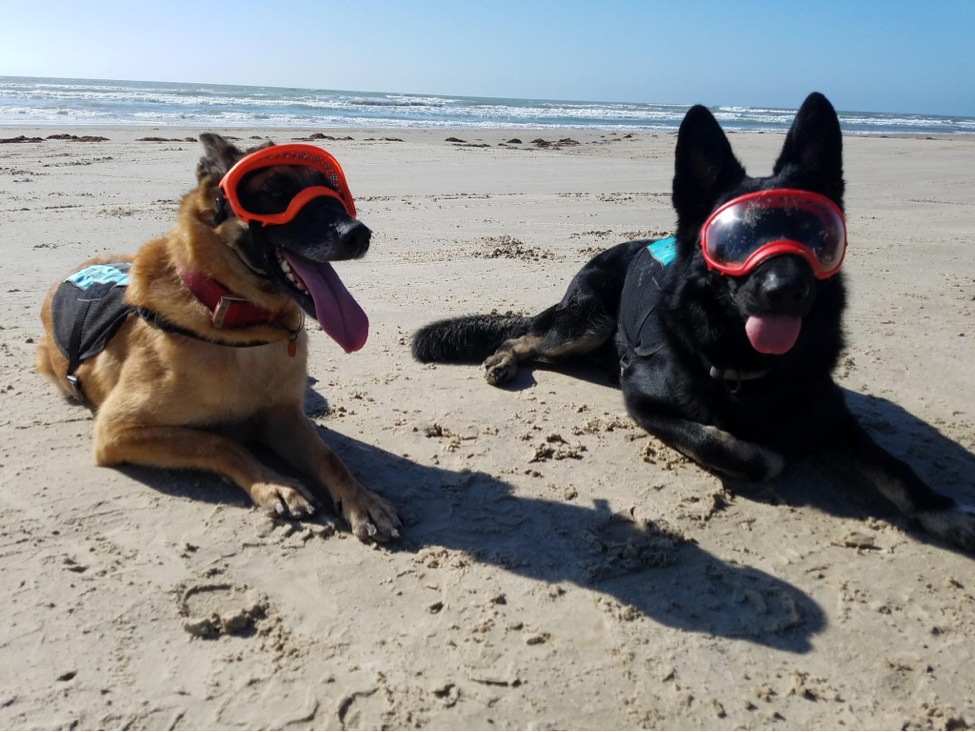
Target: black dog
{"points": [[689, 372]]}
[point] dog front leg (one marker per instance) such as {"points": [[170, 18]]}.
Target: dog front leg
{"points": [[187, 448], [896, 481], [649, 401], [295, 438], [709, 446], [714, 448]]}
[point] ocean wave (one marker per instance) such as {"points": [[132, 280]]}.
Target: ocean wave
{"points": [[25, 101], [777, 119], [911, 122], [395, 103], [747, 110]]}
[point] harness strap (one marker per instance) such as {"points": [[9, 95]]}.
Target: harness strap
{"points": [[74, 351], [74, 344], [220, 211], [154, 318]]}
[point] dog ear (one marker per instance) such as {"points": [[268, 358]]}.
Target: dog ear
{"points": [[262, 146], [705, 166], [813, 149], [219, 156]]}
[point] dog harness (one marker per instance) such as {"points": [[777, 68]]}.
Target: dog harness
{"points": [[87, 310], [89, 307], [641, 294]]}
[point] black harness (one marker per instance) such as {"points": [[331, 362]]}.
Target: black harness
{"points": [[642, 292], [87, 310], [89, 307]]}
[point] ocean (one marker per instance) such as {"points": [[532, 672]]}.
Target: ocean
{"points": [[51, 102]]}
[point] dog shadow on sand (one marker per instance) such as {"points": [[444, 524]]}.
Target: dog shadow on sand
{"points": [[638, 567], [837, 489]]}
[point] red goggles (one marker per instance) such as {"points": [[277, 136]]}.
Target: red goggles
{"points": [[305, 156], [751, 228]]}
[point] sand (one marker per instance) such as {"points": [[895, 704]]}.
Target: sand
{"points": [[559, 568]]}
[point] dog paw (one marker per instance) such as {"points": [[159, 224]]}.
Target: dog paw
{"points": [[955, 525], [284, 498], [370, 517], [743, 460], [499, 368]]}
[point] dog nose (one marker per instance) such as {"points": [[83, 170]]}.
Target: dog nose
{"points": [[787, 286], [780, 291], [355, 237]]}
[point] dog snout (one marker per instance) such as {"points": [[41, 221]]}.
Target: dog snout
{"points": [[778, 291], [787, 286], [354, 237]]}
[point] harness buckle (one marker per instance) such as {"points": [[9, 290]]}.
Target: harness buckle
{"points": [[223, 307], [75, 383]]}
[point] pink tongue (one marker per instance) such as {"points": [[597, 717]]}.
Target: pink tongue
{"points": [[335, 309], [773, 334]]}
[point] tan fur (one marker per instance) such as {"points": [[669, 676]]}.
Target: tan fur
{"points": [[502, 365], [168, 400]]}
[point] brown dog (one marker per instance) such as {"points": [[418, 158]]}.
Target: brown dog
{"points": [[195, 344]]}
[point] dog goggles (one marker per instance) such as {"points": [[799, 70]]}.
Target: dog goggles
{"points": [[751, 228], [306, 156]]}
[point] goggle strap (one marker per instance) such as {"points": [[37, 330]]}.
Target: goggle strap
{"points": [[220, 213]]}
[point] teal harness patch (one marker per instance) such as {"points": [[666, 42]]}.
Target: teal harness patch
{"points": [[664, 250], [100, 274]]}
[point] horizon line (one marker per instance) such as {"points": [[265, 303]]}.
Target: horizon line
{"points": [[470, 96]]}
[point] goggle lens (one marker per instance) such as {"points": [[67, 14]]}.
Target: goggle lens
{"points": [[775, 222], [272, 184]]}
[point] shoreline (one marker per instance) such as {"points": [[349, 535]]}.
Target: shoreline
{"points": [[43, 130], [30, 101]]}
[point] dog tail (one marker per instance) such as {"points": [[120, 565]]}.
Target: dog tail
{"points": [[469, 339]]}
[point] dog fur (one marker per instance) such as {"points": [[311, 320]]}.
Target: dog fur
{"points": [[747, 431], [172, 401]]}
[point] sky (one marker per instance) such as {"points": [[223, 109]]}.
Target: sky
{"points": [[865, 55]]}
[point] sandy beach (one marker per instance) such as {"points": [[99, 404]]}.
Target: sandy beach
{"points": [[559, 569]]}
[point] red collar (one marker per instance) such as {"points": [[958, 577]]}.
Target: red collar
{"points": [[228, 310]]}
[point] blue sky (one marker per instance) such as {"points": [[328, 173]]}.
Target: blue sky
{"points": [[872, 56]]}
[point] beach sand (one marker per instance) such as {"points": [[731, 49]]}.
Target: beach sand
{"points": [[559, 567]]}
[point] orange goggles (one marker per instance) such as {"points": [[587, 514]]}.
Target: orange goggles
{"points": [[306, 156]]}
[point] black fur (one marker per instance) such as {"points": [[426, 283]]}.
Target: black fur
{"points": [[466, 340], [738, 428]]}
